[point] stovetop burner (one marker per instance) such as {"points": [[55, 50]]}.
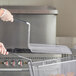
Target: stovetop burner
{"points": [[19, 50]]}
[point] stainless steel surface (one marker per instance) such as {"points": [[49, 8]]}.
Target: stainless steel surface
{"points": [[14, 70], [22, 70], [32, 9], [53, 49], [43, 30], [35, 56], [23, 73], [28, 33], [15, 35]]}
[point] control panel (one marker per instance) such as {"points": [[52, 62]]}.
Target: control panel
{"points": [[13, 62]]}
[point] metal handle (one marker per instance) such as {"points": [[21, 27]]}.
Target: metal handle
{"points": [[29, 25]]}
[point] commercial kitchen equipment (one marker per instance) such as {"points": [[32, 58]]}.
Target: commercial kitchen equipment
{"points": [[55, 67], [15, 40], [51, 67], [42, 20]]}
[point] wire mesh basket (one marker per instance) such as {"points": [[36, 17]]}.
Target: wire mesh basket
{"points": [[55, 67]]}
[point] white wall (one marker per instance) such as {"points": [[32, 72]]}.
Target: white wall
{"points": [[26, 2], [66, 20]]}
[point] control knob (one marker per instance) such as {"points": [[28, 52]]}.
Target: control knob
{"points": [[6, 63], [13, 63], [20, 63]]}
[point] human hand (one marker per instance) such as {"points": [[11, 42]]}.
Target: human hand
{"points": [[5, 15], [3, 49]]}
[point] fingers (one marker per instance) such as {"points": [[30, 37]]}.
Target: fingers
{"points": [[7, 16], [7, 19], [3, 50]]}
